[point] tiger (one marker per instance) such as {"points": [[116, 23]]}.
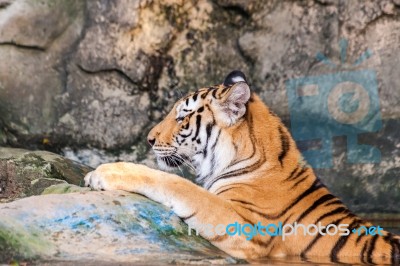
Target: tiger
{"points": [[248, 171]]}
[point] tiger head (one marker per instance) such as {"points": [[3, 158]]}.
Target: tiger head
{"points": [[210, 130]]}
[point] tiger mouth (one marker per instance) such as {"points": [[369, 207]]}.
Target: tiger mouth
{"points": [[171, 161]]}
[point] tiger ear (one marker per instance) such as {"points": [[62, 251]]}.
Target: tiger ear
{"points": [[232, 105]]}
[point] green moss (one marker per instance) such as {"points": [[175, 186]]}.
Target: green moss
{"points": [[68, 170], [33, 160], [16, 243], [63, 189]]}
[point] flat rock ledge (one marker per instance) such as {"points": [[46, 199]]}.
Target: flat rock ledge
{"points": [[107, 227]]}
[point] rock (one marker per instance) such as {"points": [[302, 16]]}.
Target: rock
{"points": [[106, 227], [25, 173], [38, 35], [112, 71]]}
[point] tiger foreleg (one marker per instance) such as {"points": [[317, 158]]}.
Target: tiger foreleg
{"points": [[204, 212]]}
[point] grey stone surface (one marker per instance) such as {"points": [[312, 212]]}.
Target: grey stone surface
{"points": [[25, 173], [103, 228], [103, 71], [35, 38]]}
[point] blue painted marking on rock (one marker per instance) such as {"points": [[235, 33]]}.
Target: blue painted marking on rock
{"points": [[345, 103]]}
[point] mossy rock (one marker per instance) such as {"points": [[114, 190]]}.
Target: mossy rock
{"points": [[25, 173], [107, 226]]}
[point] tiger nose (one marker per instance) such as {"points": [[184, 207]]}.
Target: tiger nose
{"points": [[151, 141]]}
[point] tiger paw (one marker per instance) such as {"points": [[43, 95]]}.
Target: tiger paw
{"points": [[103, 178]]}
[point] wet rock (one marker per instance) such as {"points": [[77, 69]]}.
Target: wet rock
{"points": [[106, 227], [24, 173]]}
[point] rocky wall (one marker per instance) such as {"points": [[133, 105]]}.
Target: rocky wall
{"points": [[88, 79]]}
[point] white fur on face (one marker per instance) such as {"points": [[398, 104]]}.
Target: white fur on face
{"points": [[184, 109]]}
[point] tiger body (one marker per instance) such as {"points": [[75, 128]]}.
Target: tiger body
{"points": [[249, 171]]}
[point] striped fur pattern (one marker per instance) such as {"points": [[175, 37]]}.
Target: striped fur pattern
{"points": [[249, 170]]}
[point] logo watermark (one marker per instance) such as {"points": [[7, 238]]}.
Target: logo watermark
{"points": [[343, 103], [282, 230]]}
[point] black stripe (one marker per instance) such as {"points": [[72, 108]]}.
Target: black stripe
{"points": [[237, 172], [272, 113], [187, 135], [231, 186], [317, 203], [395, 242], [361, 234], [187, 101], [209, 128], [251, 100], [214, 93], [371, 249], [254, 166], [294, 177], [204, 95], [303, 254], [198, 124], [269, 242], [205, 152], [243, 202], [363, 251], [245, 218], [292, 173], [314, 187], [298, 182], [252, 140], [389, 240], [253, 210], [360, 237], [340, 210], [201, 109], [213, 149], [217, 238], [188, 217], [285, 145], [337, 201], [195, 96], [225, 190], [342, 241]]}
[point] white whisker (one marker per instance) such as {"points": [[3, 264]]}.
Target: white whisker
{"points": [[185, 162]]}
